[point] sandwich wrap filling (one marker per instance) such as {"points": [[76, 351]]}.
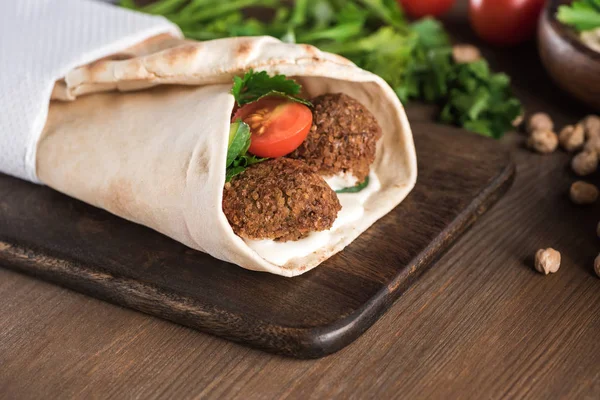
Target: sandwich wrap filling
{"points": [[157, 156]]}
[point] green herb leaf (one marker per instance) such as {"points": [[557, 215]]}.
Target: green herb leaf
{"points": [[583, 15], [240, 164], [431, 33], [480, 101], [238, 158], [239, 141], [253, 86], [247, 160], [355, 189], [387, 11], [233, 171]]}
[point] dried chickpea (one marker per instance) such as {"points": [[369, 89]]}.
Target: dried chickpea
{"points": [[583, 193], [591, 125], [465, 53], [593, 144], [543, 141], [571, 137], [547, 261], [540, 122], [585, 163], [597, 265]]}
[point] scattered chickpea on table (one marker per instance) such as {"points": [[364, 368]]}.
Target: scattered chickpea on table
{"points": [[547, 261], [583, 138], [572, 137], [583, 193], [585, 163], [465, 53]]}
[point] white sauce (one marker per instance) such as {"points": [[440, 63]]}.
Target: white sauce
{"points": [[352, 209], [341, 180]]}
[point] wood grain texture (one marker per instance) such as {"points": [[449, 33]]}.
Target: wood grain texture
{"points": [[574, 66], [480, 324], [53, 237]]}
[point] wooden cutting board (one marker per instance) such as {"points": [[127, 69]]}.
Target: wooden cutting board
{"points": [[56, 238]]}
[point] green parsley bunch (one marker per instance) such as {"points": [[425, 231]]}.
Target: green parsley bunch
{"points": [[414, 58]]}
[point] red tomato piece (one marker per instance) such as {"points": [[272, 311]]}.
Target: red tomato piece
{"points": [[278, 125], [505, 22], [422, 8]]}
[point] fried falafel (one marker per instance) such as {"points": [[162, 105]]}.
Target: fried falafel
{"points": [[279, 199], [342, 138]]}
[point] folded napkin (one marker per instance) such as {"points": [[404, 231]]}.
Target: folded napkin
{"points": [[42, 40]]}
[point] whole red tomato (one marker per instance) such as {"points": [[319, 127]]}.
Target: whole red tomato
{"points": [[505, 22], [422, 8]]}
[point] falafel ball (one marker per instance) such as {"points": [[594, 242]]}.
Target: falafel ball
{"points": [[343, 137], [279, 199]]}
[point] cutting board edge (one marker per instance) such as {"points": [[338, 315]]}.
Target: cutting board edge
{"points": [[335, 336], [310, 342]]}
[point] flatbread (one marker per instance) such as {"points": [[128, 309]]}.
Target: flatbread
{"points": [[157, 156]]}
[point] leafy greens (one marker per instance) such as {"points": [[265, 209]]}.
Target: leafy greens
{"points": [[253, 86], [583, 15], [238, 158], [479, 100], [414, 58]]}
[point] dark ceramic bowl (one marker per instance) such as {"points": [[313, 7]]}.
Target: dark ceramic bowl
{"points": [[574, 66]]}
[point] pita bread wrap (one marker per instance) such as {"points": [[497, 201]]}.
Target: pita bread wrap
{"points": [[157, 156]]}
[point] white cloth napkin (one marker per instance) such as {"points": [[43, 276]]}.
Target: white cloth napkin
{"points": [[40, 41]]}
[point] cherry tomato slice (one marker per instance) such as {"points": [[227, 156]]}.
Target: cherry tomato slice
{"points": [[278, 125]]}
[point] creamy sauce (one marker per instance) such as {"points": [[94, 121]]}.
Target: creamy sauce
{"points": [[341, 181], [352, 209]]}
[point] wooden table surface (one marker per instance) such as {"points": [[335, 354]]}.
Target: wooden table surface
{"points": [[480, 324]]}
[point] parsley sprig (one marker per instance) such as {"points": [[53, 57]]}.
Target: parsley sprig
{"points": [[253, 86], [480, 100]]}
